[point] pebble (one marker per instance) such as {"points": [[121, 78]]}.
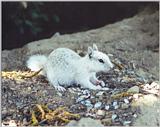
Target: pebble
{"points": [[98, 105], [91, 115], [110, 55], [134, 89], [25, 121], [100, 113], [29, 88], [124, 106], [79, 93], [117, 70], [83, 97], [85, 122], [114, 116], [107, 107], [107, 122], [100, 93], [92, 97], [4, 111], [115, 103], [126, 101], [116, 106], [88, 103], [126, 123], [135, 115]]}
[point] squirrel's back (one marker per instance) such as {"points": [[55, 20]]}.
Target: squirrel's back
{"points": [[62, 56]]}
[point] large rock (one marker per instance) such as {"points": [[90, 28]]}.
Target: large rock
{"points": [[150, 112], [85, 122]]}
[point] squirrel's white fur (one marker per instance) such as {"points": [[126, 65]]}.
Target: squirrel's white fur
{"points": [[64, 67]]}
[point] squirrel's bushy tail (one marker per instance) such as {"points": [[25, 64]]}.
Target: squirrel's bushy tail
{"points": [[36, 62]]}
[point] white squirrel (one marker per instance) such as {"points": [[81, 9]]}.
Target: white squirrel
{"points": [[64, 67]]}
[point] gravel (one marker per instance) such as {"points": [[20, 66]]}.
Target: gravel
{"points": [[18, 98]]}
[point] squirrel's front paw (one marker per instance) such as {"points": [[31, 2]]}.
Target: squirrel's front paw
{"points": [[60, 88], [102, 84]]}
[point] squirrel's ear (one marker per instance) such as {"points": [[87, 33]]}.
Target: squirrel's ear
{"points": [[90, 50], [95, 47]]}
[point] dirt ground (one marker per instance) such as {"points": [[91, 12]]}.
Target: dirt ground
{"points": [[133, 44]]}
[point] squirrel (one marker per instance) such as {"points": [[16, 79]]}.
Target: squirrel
{"points": [[64, 67]]}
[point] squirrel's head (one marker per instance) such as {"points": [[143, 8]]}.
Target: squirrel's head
{"points": [[99, 61]]}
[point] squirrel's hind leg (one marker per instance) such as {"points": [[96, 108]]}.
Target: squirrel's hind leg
{"points": [[55, 83]]}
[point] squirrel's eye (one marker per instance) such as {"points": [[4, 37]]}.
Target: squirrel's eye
{"points": [[101, 61]]}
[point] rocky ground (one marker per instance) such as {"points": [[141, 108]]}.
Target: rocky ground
{"points": [[116, 106], [133, 86]]}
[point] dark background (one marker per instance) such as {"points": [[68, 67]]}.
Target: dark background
{"points": [[26, 22]]}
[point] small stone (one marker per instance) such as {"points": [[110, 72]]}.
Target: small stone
{"points": [[25, 121], [115, 103], [88, 103], [126, 101], [98, 105], [116, 107], [107, 122], [100, 113], [124, 106], [85, 122], [135, 115], [114, 116], [92, 97], [83, 97], [25, 110], [105, 89], [4, 111], [100, 93], [107, 107], [117, 70], [90, 115], [126, 123], [134, 89], [110, 55], [29, 88]]}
